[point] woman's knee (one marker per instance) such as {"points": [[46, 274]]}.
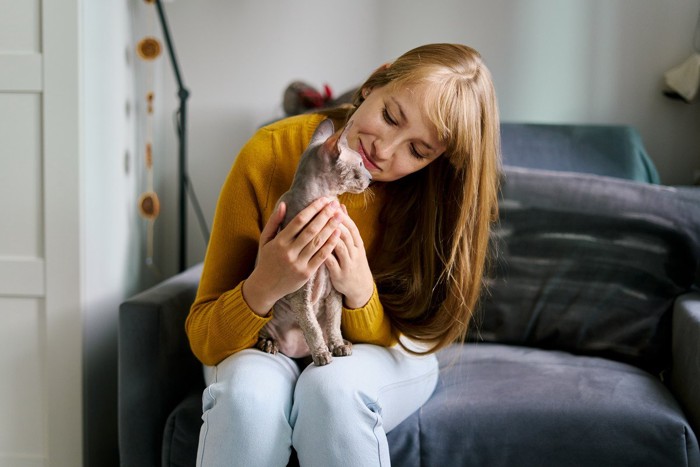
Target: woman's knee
{"points": [[375, 382], [330, 394], [252, 383], [246, 410]]}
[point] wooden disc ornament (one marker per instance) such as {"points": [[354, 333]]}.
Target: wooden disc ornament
{"points": [[148, 48], [149, 205]]}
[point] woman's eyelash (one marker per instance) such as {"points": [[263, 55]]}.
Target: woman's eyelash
{"points": [[416, 154], [388, 117], [391, 121]]}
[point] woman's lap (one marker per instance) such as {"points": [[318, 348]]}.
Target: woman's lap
{"points": [[337, 414]]}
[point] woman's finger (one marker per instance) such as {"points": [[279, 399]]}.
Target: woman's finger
{"points": [[352, 229], [325, 252], [328, 215], [332, 262], [273, 224], [312, 244], [306, 215], [342, 249]]}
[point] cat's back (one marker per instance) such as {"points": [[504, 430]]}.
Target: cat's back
{"points": [[273, 154]]}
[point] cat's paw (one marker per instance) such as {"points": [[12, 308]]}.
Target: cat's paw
{"points": [[267, 344], [322, 358], [341, 350]]}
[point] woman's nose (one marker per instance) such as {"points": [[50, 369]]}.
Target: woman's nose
{"points": [[383, 149]]}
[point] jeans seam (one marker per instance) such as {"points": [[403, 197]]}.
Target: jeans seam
{"points": [[402, 383], [375, 407], [205, 426], [374, 432]]}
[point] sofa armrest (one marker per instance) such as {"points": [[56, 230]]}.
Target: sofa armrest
{"points": [[685, 378], [156, 366]]}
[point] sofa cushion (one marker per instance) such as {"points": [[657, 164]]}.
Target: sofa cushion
{"points": [[590, 265], [497, 405], [181, 434]]}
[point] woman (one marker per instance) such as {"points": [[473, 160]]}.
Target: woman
{"points": [[408, 260]]}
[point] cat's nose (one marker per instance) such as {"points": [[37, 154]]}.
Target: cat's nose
{"points": [[364, 174]]}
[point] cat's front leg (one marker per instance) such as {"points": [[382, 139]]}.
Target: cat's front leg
{"points": [[338, 346], [308, 322]]}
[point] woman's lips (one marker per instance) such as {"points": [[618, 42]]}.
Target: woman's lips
{"points": [[369, 165]]}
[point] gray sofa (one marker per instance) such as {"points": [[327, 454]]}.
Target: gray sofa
{"points": [[585, 350]]}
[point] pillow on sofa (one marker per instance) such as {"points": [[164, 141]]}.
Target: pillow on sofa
{"points": [[589, 264]]}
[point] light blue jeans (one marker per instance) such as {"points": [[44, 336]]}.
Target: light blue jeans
{"points": [[257, 406]]}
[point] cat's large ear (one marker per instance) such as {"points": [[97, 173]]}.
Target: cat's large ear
{"points": [[331, 147], [343, 141], [324, 130], [344, 150]]}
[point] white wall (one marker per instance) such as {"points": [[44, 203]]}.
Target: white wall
{"points": [[573, 61], [113, 252]]}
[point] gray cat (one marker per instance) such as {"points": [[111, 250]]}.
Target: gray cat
{"points": [[308, 320]]}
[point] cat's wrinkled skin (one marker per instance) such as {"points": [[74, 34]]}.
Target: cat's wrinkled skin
{"points": [[308, 321]]}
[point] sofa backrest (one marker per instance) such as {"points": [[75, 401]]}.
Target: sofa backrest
{"points": [[609, 150], [590, 264]]}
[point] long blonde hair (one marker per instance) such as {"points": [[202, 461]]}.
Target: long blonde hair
{"points": [[430, 268]]}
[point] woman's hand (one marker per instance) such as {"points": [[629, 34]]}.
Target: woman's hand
{"points": [[348, 266], [286, 260]]}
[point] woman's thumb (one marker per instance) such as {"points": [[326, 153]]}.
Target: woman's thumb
{"points": [[273, 223]]}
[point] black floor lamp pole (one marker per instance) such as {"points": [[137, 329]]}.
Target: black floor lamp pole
{"points": [[182, 94]]}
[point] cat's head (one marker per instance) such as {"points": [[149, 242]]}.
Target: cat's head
{"points": [[342, 164]]}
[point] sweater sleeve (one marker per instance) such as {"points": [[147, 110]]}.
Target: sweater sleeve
{"points": [[220, 322], [368, 324]]}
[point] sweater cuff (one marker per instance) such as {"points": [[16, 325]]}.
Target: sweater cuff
{"points": [[368, 324], [363, 317], [241, 319]]}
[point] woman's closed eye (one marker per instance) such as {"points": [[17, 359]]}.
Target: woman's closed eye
{"points": [[391, 121], [388, 118], [415, 153]]}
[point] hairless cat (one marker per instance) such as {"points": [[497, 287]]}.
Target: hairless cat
{"points": [[308, 320]]}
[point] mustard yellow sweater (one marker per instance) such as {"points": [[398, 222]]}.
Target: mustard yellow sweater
{"points": [[220, 322]]}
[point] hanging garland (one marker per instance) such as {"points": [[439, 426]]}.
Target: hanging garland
{"points": [[149, 49]]}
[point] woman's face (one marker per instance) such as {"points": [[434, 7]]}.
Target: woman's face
{"points": [[392, 133]]}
